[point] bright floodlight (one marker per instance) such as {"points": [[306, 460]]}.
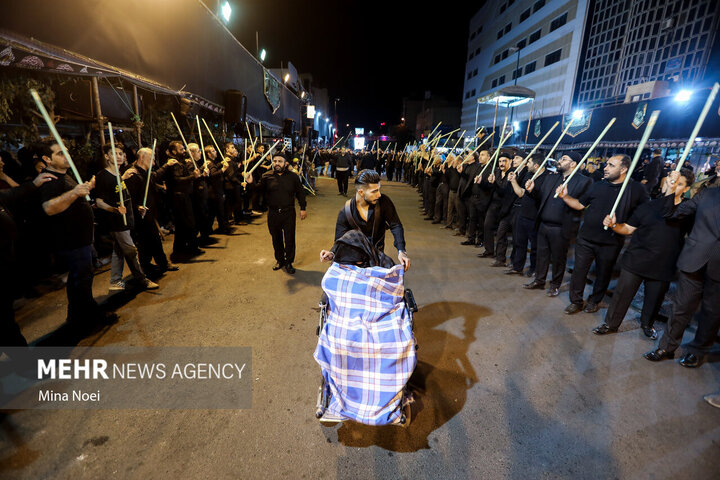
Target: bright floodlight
{"points": [[263, 53], [226, 11], [287, 77], [516, 125], [683, 96], [577, 114], [302, 94]]}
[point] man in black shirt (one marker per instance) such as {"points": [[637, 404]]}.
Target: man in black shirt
{"points": [[70, 226], [10, 335], [653, 172], [650, 259], [699, 275], [217, 166], [525, 230], [119, 220], [453, 182], [503, 197], [281, 187], [343, 164], [557, 223], [476, 194], [371, 212], [594, 242], [179, 174], [146, 234]]}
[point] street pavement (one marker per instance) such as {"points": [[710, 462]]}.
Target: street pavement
{"points": [[508, 386]]}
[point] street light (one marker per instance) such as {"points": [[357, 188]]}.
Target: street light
{"points": [[287, 77], [263, 53], [577, 114], [683, 96], [226, 11], [516, 125], [302, 94]]}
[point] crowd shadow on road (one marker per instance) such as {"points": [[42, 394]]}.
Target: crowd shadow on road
{"points": [[441, 380]]}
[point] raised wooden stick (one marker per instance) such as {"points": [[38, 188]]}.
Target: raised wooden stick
{"points": [[202, 146], [187, 149], [493, 160], [56, 135], [117, 170], [587, 154], [552, 150], [263, 157], [699, 123], [522, 164], [638, 152], [147, 183]]}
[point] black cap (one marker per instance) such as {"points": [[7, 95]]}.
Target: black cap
{"points": [[574, 156], [507, 153]]}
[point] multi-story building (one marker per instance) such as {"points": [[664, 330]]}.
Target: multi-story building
{"points": [[531, 43], [632, 42]]}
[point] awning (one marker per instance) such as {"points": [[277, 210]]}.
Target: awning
{"points": [[510, 96]]}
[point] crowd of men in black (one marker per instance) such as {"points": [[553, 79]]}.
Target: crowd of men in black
{"points": [[48, 219], [672, 236]]}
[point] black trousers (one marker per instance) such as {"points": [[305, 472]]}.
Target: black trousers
{"points": [[604, 257], [146, 237], [694, 289], [201, 210], [441, 202], [82, 308], [477, 211], [216, 204], [342, 181], [552, 246], [463, 207], [504, 229], [389, 171], [185, 226], [523, 233], [492, 219], [281, 224], [625, 290]]}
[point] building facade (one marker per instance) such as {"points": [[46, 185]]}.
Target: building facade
{"points": [[632, 42], [531, 43]]}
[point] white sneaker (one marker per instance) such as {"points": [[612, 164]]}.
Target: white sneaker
{"points": [[150, 285], [117, 286]]}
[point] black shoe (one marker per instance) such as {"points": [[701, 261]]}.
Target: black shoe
{"points": [[458, 234], [467, 242], [278, 266], [435, 222], [478, 244], [497, 263], [553, 292], [658, 355], [573, 308], [449, 227], [427, 218], [290, 269], [171, 268], [650, 332], [534, 285], [604, 329], [690, 360], [530, 273], [512, 271], [591, 307], [485, 254], [196, 252]]}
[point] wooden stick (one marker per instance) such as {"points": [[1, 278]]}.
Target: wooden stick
{"points": [[263, 157], [260, 125], [536, 147], [638, 152], [202, 146], [433, 131], [331, 149], [117, 170], [56, 135], [587, 154], [487, 137], [502, 141], [252, 142], [219, 152], [699, 123], [187, 149], [527, 132], [147, 183], [552, 150], [458, 141]]}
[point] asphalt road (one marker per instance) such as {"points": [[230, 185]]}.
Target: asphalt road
{"points": [[509, 386]]}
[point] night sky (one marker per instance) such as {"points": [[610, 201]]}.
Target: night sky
{"points": [[369, 54]]}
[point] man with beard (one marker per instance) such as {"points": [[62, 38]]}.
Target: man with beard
{"points": [[557, 224], [200, 196], [502, 199], [477, 195], [280, 188], [217, 167], [343, 164], [649, 259], [525, 230], [179, 175], [594, 242], [146, 234], [371, 212]]}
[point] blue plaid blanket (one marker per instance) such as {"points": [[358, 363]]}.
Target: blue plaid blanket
{"points": [[366, 349]]}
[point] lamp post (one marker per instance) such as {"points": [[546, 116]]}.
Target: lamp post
{"points": [[516, 75]]}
